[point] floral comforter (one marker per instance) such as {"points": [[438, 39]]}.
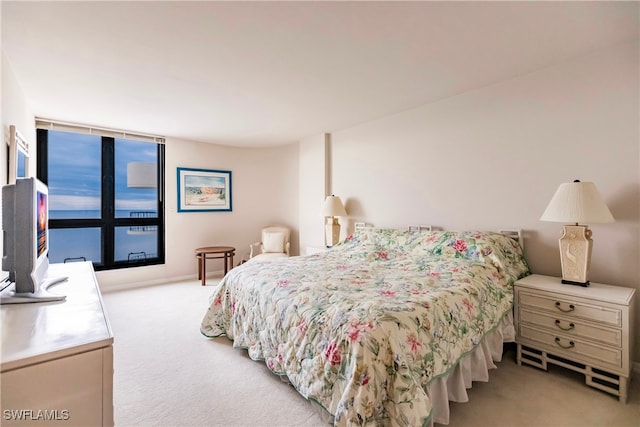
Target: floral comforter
{"points": [[363, 328]]}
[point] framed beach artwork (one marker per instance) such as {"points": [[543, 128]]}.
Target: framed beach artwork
{"points": [[203, 190]]}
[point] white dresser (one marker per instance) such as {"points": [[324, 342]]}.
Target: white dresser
{"points": [[588, 330], [57, 357]]}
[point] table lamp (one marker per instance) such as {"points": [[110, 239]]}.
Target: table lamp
{"points": [[333, 208], [576, 202], [142, 175]]}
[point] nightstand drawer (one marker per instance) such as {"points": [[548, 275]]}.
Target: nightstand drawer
{"points": [[572, 348], [571, 327], [560, 304]]}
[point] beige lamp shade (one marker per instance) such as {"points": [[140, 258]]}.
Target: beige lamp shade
{"points": [[142, 175], [576, 202], [333, 207]]}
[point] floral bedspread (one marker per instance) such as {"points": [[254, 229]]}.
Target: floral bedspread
{"points": [[363, 328]]}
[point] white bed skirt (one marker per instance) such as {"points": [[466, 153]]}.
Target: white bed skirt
{"points": [[453, 387], [474, 366]]}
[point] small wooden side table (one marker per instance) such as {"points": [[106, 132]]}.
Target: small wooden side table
{"points": [[214, 252]]}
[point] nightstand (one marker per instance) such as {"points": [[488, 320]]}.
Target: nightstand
{"points": [[588, 330], [316, 250]]}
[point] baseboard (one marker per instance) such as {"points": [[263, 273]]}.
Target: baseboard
{"points": [[155, 282]]}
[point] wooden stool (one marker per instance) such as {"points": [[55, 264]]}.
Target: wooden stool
{"points": [[214, 252]]}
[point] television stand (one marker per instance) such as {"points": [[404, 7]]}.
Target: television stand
{"points": [[56, 359], [8, 296]]}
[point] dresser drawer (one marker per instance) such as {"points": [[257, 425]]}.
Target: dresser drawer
{"points": [[559, 304], [571, 327], [572, 348]]}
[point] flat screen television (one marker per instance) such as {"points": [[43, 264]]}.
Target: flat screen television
{"points": [[25, 227]]}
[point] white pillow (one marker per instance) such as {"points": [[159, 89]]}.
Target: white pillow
{"points": [[273, 242]]}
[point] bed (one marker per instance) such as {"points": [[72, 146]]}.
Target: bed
{"points": [[382, 329]]}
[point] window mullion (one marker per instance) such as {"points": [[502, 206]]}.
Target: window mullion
{"points": [[108, 200], [42, 163], [160, 189]]}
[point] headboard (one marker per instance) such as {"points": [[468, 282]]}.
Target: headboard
{"points": [[514, 233], [360, 225], [420, 228]]}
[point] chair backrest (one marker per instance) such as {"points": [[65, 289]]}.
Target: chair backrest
{"points": [[275, 239]]}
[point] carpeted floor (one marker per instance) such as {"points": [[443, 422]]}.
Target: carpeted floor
{"points": [[168, 374]]}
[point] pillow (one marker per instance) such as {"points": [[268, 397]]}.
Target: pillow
{"points": [[506, 253], [450, 244], [273, 242], [488, 247]]}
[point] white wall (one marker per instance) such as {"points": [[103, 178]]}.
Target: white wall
{"points": [[13, 111], [493, 157], [314, 187]]}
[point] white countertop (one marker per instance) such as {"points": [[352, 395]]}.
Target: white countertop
{"points": [[32, 332]]}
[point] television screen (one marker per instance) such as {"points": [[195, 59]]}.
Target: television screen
{"points": [[42, 223]]}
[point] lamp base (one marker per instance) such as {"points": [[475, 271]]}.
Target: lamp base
{"points": [[571, 282], [575, 254], [331, 232]]}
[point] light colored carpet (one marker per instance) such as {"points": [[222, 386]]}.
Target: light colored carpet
{"points": [[168, 374]]}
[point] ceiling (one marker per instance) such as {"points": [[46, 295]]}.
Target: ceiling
{"points": [[269, 73]]}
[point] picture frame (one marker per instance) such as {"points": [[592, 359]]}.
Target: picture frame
{"points": [[18, 156], [204, 190]]}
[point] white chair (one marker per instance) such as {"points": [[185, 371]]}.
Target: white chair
{"points": [[274, 244]]}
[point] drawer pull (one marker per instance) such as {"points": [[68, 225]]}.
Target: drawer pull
{"points": [[559, 307], [571, 344], [571, 326]]}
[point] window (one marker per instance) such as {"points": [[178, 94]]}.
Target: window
{"points": [[106, 196]]}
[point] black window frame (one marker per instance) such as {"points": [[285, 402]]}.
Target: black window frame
{"points": [[108, 221]]}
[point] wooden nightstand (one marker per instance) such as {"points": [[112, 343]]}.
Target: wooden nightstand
{"points": [[588, 330]]}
